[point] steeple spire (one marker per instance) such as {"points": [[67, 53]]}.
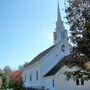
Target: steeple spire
{"points": [[58, 12], [60, 32]]}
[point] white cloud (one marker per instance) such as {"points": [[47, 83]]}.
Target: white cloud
{"points": [[48, 34]]}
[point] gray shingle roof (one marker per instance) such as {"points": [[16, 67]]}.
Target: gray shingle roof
{"points": [[56, 68], [40, 56]]}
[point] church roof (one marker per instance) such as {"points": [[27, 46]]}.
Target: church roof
{"points": [[40, 56], [56, 68], [61, 63]]}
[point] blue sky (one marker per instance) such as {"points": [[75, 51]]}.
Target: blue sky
{"points": [[26, 28]]}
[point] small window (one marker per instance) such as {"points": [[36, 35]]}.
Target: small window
{"points": [[36, 75], [82, 81], [55, 36], [24, 77], [77, 81], [30, 77], [53, 83]]}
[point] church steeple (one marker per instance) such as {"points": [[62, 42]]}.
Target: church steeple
{"points": [[58, 12], [60, 32]]}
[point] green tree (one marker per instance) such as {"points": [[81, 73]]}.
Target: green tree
{"points": [[78, 18], [5, 81], [7, 69]]}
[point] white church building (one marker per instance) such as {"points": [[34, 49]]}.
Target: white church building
{"points": [[47, 69]]}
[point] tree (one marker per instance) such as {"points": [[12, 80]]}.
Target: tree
{"points": [[20, 67], [15, 80], [5, 81], [1, 71], [78, 18], [7, 69]]}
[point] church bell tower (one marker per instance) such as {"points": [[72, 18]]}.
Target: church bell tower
{"points": [[60, 32]]}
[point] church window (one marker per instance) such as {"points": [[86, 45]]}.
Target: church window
{"points": [[25, 77], [30, 77], [82, 81], [53, 83], [63, 47], [55, 36], [77, 81], [36, 75]]}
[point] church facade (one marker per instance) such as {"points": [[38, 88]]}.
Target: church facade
{"points": [[47, 69]]}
